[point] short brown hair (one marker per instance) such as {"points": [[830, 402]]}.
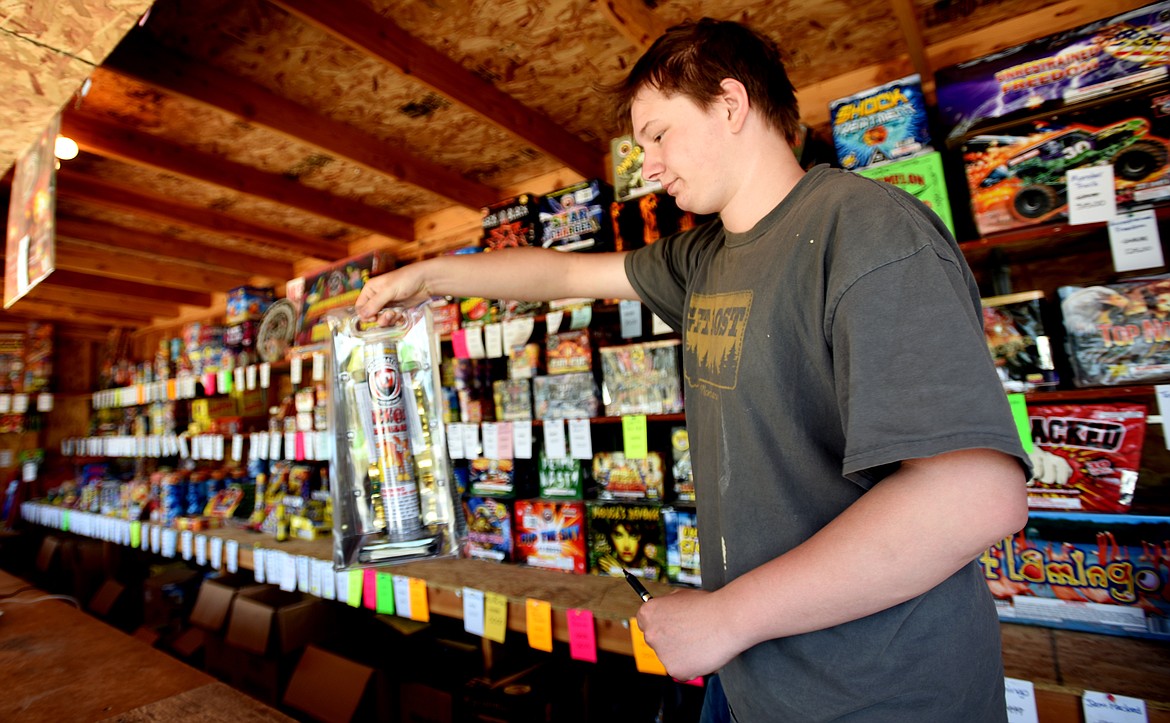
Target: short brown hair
{"points": [[693, 58]]}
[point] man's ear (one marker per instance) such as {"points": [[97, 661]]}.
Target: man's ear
{"points": [[733, 101]]}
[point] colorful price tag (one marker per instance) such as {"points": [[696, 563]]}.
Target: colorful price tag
{"points": [[419, 607], [369, 589], [634, 436], [582, 637], [353, 588], [385, 602], [1019, 407], [538, 618], [473, 611], [645, 659], [495, 617]]}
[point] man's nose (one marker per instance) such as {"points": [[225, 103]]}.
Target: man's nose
{"points": [[652, 166]]}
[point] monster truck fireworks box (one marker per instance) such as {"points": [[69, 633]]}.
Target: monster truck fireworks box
{"points": [[1098, 95], [1098, 573], [881, 124]]}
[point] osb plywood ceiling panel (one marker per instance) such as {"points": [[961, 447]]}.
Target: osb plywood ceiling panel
{"points": [[270, 135]]}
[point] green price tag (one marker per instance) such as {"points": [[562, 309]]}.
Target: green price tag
{"points": [[135, 534], [1023, 425], [385, 593], [65, 521], [634, 436]]}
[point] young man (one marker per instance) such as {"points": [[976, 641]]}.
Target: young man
{"points": [[852, 447]]}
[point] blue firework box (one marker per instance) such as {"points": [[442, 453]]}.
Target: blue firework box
{"points": [[886, 123], [489, 528], [1046, 74], [1100, 573]]}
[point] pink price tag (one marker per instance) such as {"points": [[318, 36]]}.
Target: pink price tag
{"points": [[300, 445], [209, 383], [459, 344], [582, 638], [370, 589]]}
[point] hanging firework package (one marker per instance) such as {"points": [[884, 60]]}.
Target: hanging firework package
{"points": [[393, 499]]}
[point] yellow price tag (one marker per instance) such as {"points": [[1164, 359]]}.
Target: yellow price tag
{"points": [[634, 436], [495, 616]]}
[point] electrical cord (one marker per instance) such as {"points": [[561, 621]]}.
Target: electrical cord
{"points": [[17, 592], [42, 598]]}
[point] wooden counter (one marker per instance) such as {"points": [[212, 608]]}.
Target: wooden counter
{"points": [[58, 663]]}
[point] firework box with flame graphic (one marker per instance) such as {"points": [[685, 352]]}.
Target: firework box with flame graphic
{"points": [[1045, 74], [1117, 333], [1085, 456], [551, 535], [881, 124], [1091, 572]]}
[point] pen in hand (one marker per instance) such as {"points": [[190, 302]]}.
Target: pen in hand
{"points": [[637, 585]]}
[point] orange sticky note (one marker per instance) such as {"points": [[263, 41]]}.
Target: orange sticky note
{"points": [[538, 616], [495, 616], [582, 638], [172, 389], [645, 659], [419, 609]]}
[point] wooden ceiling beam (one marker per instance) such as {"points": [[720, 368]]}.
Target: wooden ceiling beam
{"points": [[633, 20], [148, 62], [376, 35], [139, 203], [133, 289], [87, 259], [164, 248], [97, 301], [114, 141], [907, 18], [77, 314]]}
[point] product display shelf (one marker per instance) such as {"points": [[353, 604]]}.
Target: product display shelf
{"points": [[1047, 234], [678, 418], [1089, 394], [610, 599]]}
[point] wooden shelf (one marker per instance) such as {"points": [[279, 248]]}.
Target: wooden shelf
{"points": [[1089, 394]]}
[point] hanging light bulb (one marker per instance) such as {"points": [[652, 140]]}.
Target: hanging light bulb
{"points": [[65, 148]]}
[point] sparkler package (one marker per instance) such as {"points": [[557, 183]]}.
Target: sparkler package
{"points": [[393, 491]]}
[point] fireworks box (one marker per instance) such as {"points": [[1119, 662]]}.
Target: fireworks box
{"points": [[498, 477], [551, 535], [642, 221], [248, 303], [682, 546], [1016, 173], [620, 478], [568, 351], [513, 399], [886, 123], [680, 468], [1116, 333], [511, 223], [576, 218], [626, 156], [1090, 61], [1014, 329], [565, 396], [561, 478], [489, 528], [1086, 456], [1090, 572], [336, 287], [524, 361], [920, 176], [629, 536], [641, 378]]}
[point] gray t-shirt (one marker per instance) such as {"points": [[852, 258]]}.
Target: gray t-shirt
{"points": [[840, 336]]}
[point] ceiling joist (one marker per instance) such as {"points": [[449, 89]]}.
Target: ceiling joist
{"points": [[112, 303], [86, 258], [133, 289]]}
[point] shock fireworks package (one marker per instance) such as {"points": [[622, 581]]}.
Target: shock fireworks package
{"points": [[1086, 457], [1118, 333], [393, 497], [881, 124], [551, 535], [626, 536], [1015, 337]]}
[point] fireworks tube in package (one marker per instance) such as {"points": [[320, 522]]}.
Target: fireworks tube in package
{"points": [[393, 491]]}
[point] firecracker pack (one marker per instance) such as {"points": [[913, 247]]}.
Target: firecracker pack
{"points": [[627, 156], [1045, 74], [1013, 326], [1086, 456], [626, 536], [565, 396], [551, 535], [1117, 333], [576, 218], [489, 528], [641, 378], [682, 546], [621, 478], [1017, 173], [568, 351], [513, 399], [1098, 573], [881, 124], [922, 177], [643, 220], [511, 223], [681, 470], [561, 478]]}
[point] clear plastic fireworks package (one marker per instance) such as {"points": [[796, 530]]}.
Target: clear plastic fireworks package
{"points": [[394, 499], [1014, 329], [1118, 333]]}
